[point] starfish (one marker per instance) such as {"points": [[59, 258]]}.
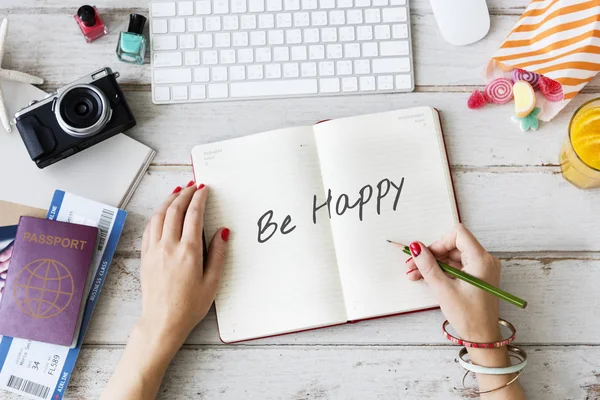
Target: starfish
{"points": [[11, 75], [528, 122]]}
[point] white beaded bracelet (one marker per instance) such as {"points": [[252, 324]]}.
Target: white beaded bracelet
{"points": [[478, 369]]}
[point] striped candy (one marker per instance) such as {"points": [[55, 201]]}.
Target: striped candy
{"points": [[499, 91], [530, 77]]}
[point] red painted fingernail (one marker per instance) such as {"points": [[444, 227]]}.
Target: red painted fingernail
{"points": [[408, 260], [410, 270], [201, 186], [190, 183], [225, 234], [415, 249], [177, 189]]}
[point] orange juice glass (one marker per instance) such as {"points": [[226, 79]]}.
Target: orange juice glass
{"points": [[580, 153]]}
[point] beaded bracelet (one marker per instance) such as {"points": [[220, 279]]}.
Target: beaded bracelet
{"points": [[466, 343], [513, 351]]}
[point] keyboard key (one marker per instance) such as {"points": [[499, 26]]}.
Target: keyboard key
{"points": [[237, 73], [382, 32], [227, 56], [379, 3], [284, 20], [329, 85], [256, 6], [258, 38], [352, 50], [222, 40], [327, 4], [266, 21], [167, 59], [394, 14], [276, 37], [355, 16], [366, 83], [328, 35], [400, 31], [164, 43], [163, 9], [245, 56], [370, 50], [230, 23], [362, 3], [210, 57], [180, 93], [219, 74], [316, 52], [337, 17], [364, 32], [326, 68], [220, 6], [385, 82], [197, 92], [350, 84], [195, 24], [191, 57], [372, 16], [218, 91], [159, 26], [299, 53], [301, 19], [238, 6], [248, 22], [162, 93], [319, 18], [185, 8], [174, 75], [177, 25], [311, 35], [273, 71], [274, 88], [344, 67], [187, 42], [362, 67], [212, 24], [274, 5], [397, 2], [240, 39], [263, 54], [347, 34], [309, 4], [255, 72], [201, 74], [393, 48], [203, 7], [403, 82], [293, 36], [334, 51], [391, 65], [290, 70], [205, 40], [291, 5], [344, 3], [308, 69]]}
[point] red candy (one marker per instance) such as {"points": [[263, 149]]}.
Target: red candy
{"points": [[476, 100], [551, 89], [499, 91]]}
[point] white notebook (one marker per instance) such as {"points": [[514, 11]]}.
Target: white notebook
{"points": [[108, 172], [389, 178]]}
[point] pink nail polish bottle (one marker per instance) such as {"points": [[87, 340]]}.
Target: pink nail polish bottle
{"points": [[90, 23]]}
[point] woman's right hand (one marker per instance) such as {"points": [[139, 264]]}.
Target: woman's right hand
{"points": [[472, 312]]}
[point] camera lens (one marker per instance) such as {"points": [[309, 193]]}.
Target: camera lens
{"points": [[82, 110]]}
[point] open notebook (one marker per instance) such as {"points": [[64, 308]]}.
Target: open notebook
{"points": [[387, 177]]}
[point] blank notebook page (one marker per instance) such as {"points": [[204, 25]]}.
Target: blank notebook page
{"points": [[295, 284], [357, 151]]}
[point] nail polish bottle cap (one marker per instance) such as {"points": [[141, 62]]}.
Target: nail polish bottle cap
{"points": [[136, 23], [87, 15]]}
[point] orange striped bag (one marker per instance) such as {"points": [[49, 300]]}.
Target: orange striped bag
{"points": [[559, 39]]}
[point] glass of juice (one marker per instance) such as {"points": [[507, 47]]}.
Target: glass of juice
{"points": [[580, 153]]}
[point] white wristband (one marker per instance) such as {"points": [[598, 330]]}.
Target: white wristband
{"points": [[478, 369]]}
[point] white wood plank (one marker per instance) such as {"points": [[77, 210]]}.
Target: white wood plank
{"points": [[484, 137], [508, 209], [558, 310], [319, 372]]}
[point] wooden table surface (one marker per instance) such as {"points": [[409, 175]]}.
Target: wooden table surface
{"points": [[509, 189]]}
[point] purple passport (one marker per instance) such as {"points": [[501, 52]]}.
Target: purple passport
{"points": [[46, 280]]}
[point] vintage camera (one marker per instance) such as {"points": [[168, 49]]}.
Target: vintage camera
{"points": [[77, 116]]}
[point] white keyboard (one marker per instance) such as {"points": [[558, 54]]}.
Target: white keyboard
{"points": [[215, 50]]}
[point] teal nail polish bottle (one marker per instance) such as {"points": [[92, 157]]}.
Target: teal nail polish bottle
{"points": [[132, 44]]}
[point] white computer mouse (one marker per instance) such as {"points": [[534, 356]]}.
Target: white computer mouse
{"points": [[461, 22]]}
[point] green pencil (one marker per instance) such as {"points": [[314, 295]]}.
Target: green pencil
{"points": [[456, 273]]}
